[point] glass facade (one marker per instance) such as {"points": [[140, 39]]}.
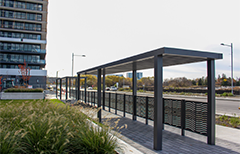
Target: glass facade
{"points": [[20, 15], [19, 47], [20, 35], [20, 25], [21, 5], [16, 66], [19, 58]]}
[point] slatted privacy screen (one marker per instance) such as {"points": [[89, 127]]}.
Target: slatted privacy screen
{"points": [[172, 112], [141, 106], [112, 100], [129, 104], [151, 108], [196, 117]]}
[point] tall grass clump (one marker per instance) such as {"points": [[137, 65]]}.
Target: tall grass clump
{"points": [[40, 126]]}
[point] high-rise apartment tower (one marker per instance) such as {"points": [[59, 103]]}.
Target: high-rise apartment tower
{"points": [[23, 31]]}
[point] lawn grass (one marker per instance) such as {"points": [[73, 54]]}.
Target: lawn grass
{"points": [[50, 126]]}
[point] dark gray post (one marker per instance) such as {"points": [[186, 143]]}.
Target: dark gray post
{"points": [[124, 105], [56, 88], [146, 110], [109, 109], [99, 94], [158, 102], [60, 89], [66, 94], [116, 103], [78, 87], [134, 90], [103, 89], [183, 117], [85, 89], [70, 83], [211, 102]]}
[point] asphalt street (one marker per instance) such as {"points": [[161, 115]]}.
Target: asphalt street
{"points": [[228, 106]]}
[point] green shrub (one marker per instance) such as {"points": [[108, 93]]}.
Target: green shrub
{"points": [[226, 94], [120, 89], [235, 121], [223, 118], [23, 90], [141, 90]]}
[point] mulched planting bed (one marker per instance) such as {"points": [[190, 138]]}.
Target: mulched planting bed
{"points": [[228, 121]]}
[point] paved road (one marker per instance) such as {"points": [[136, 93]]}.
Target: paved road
{"points": [[223, 105]]}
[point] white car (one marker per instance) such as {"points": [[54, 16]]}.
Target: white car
{"points": [[112, 88], [90, 88]]}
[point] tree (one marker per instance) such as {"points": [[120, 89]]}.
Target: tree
{"points": [[25, 72]]}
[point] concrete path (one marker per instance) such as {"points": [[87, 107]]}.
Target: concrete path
{"points": [[140, 136]]}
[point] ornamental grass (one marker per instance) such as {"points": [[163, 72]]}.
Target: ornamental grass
{"points": [[42, 126]]}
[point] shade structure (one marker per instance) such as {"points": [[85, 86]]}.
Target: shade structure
{"points": [[158, 59], [171, 57]]}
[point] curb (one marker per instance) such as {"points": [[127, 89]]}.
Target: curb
{"points": [[200, 97]]}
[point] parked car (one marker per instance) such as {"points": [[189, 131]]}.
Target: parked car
{"points": [[112, 88], [90, 88], [107, 88]]}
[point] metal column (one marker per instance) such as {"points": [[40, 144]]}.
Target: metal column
{"points": [[60, 89], [66, 84], [158, 102], [103, 89], [99, 94], [57, 88], [211, 102], [70, 84], [85, 89], [134, 90], [78, 87]]}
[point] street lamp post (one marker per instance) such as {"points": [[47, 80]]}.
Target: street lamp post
{"points": [[231, 46], [73, 60], [57, 73]]}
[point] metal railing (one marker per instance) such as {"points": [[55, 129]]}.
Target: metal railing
{"points": [[183, 114]]}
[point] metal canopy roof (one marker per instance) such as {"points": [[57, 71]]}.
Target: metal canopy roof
{"points": [[171, 56]]}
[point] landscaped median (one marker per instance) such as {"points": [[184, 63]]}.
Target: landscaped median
{"points": [[49, 126], [22, 93]]}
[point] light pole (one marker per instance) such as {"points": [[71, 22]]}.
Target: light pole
{"points": [[73, 60], [231, 61], [57, 72]]}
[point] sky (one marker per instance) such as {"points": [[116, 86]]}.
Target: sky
{"points": [[109, 30]]}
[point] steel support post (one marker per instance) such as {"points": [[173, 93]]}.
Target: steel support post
{"points": [[99, 94], [124, 104], [211, 102], [69, 87], [109, 109], [158, 102], [134, 90], [66, 84], [60, 89], [183, 116], [146, 110], [104, 89], [57, 88], [116, 103], [78, 87], [85, 89]]}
